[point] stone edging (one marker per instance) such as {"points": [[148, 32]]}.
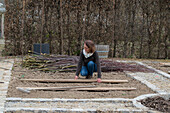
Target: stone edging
{"points": [[137, 104], [153, 87], [134, 101], [70, 100], [68, 110], [6, 74], [158, 71]]}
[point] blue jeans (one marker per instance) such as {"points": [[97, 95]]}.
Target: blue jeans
{"points": [[89, 69]]}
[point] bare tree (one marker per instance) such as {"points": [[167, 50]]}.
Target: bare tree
{"points": [[61, 27]]}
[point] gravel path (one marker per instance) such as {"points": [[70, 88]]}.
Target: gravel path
{"points": [[103, 105], [155, 81], [72, 105], [5, 74]]}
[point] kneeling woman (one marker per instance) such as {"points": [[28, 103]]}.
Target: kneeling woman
{"points": [[89, 62]]}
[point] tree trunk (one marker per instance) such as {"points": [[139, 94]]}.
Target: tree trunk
{"points": [[78, 33], [132, 28], [142, 36], [58, 29], [166, 41], [61, 28], [50, 33], [84, 23], [88, 18], [125, 47], [68, 31], [100, 26], [149, 37], [126, 32], [160, 28], [42, 26], [32, 31], [22, 40], [114, 31]]}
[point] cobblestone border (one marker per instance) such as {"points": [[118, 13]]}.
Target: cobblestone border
{"points": [[70, 100], [72, 110], [6, 74], [137, 104], [112, 100], [153, 87], [156, 70]]}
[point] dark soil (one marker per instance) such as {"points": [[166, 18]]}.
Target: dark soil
{"points": [[157, 103]]}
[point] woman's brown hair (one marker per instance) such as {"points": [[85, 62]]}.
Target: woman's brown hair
{"points": [[90, 44]]}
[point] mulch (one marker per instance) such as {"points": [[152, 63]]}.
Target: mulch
{"points": [[157, 103]]}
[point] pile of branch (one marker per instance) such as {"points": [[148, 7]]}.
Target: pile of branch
{"points": [[51, 63]]}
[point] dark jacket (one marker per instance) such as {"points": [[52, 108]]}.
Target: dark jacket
{"points": [[84, 61]]}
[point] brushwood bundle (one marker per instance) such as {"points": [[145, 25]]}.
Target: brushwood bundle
{"points": [[64, 63]]}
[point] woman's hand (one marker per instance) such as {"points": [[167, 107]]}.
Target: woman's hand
{"points": [[76, 77], [99, 80]]}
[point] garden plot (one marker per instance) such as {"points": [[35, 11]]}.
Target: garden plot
{"points": [[19, 73]]}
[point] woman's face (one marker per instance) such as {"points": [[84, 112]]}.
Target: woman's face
{"points": [[86, 48]]}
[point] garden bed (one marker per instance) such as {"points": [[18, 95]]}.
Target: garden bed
{"points": [[157, 103], [19, 72]]}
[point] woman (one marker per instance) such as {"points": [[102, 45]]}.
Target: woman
{"points": [[89, 61]]}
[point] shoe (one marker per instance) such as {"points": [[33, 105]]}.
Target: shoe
{"points": [[88, 77]]}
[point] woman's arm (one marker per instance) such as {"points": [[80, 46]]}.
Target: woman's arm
{"points": [[98, 65], [79, 64]]}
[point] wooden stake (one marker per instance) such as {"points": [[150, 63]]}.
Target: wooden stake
{"points": [[54, 88], [105, 89], [76, 88], [165, 64], [74, 81], [168, 72]]}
